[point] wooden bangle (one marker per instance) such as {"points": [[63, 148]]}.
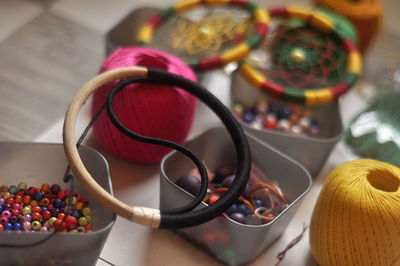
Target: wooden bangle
{"points": [[148, 216]]}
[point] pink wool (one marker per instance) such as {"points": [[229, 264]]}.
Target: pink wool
{"points": [[151, 110]]}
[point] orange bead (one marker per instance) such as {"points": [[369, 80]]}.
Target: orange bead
{"points": [[34, 203], [213, 199], [1, 227], [10, 201], [88, 227], [61, 194], [45, 187], [27, 199], [61, 215], [36, 216], [45, 202], [79, 206], [36, 209], [18, 199]]}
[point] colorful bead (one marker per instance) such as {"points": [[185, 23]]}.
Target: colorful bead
{"points": [[79, 206], [36, 225], [83, 221], [86, 211], [27, 226], [46, 215], [27, 218], [26, 210], [22, 186], [55, 189], [6, 195], [1, 227], [3, 220], [8, 226], [81, 229], [3, 188], [45, 187], [12, 189], [59, 224], [17, 226], [36, 216], [38, 196], [71, 222], [52, 220], [6, 214]]}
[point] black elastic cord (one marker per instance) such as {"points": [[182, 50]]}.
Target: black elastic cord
{"points": [[174, 220], [161, 142]]}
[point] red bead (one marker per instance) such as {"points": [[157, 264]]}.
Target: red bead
{"points": [[78, 196], [10, 201], [45, 187], [27, 199], [66, 192], [32, 191], [1, 227], [270, 122], [85, 202], [88, 227], [46, 215], [61, 215], [71, 222], [48, 195], [60, 223], [213, 199], [36, 209], [16, 213], [20, 193], [36, 216], [61, 194], [270, 217], [18, 198]]}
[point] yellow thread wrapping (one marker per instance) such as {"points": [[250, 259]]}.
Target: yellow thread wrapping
{"points": [[216, 2], [261, 16], [321, 96], [146, 34], [183, 6], [354, 63], [235, 54], [322, 23], [357, 216], [256, 78], [299, 12]]}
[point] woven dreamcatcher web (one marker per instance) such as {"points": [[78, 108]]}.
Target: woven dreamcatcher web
{"points": [[299, 56]]}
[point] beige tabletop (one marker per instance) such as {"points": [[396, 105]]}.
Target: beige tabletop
{"points": [[138, 184]]}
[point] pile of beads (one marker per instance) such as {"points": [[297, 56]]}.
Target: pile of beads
{"points": [[289, 119], [259, 204], [43, 209]]}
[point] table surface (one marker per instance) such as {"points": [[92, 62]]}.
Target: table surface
{"points": [[138, 184]]}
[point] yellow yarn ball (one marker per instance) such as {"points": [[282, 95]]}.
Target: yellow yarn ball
{"points": [[356, 220]]}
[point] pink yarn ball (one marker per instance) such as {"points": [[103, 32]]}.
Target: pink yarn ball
{"points": [[151, 110]]}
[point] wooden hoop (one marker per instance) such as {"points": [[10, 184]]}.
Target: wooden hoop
{"points": [[142, 215]]}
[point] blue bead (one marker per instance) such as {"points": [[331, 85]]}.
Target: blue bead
{"points": [[17, 226], [44, 209], [243, 209], [38, 196], [8, 226], [57, 203], [285, 113], [1, 209], [76, 214], [232, 209], [13, 219], [248, 117], [258, 203]]}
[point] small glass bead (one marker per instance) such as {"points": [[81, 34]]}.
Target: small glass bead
{"points": [[3, 220], [87, 211], [79, 206], [26, 210], [36, 225], [81, 229], [38, 196], [6, 195], [83, 221], [2, 201], [43, 229], [17, 226], [8, 226], [71, 222], [27, 226], [3, 188], [88, 218], [52, 220], [13, 189], [22, 186], [27, 218], [45, 187], [6, 213]]}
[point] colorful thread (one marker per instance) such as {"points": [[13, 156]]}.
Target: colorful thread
{"points": [[356, 220], [151, 110], [308, 96], [238, 52]]}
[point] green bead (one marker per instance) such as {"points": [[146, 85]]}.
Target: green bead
{"points": [[26, 210], [52, 220], [88, 218], [22, 186], [73, 231], [83, 221], [86, 211], [36, 225], [13, 189]]}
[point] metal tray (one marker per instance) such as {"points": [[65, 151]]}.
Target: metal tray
{"points": [[224, 239], [38, 163], [312, 152]]}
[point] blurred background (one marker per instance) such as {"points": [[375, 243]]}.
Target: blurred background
{"points": [[49, 48]]}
